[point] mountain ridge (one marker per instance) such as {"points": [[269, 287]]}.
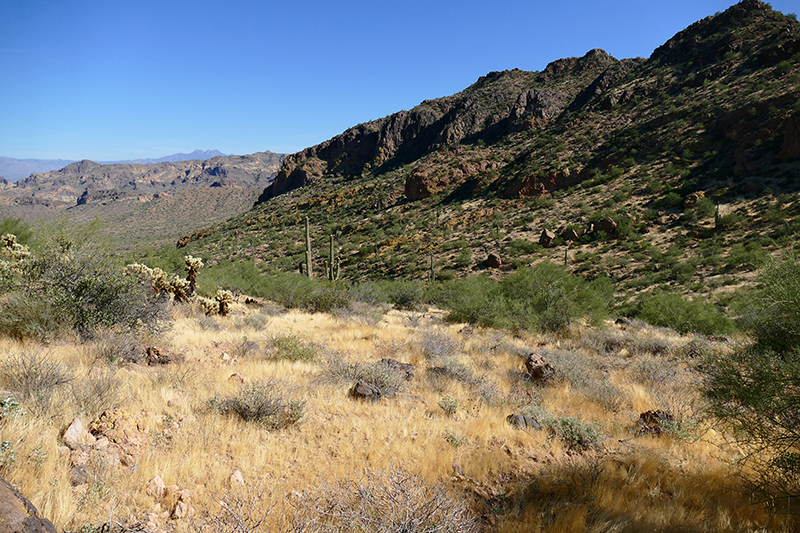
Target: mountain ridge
{"points": [[15, 169]]}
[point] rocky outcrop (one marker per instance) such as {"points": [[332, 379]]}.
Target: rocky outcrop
{"points": [[17, 513], [539, 368]]}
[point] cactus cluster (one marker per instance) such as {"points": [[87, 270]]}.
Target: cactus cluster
{"points": [[219, 304], [333, 266], [12, 257]]}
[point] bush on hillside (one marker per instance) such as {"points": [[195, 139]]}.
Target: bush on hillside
{"points": [[545, 297], [674, 311], [70, 284], [756, 391]]}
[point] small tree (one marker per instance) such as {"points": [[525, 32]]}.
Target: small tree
{"points": [[756, 391]]}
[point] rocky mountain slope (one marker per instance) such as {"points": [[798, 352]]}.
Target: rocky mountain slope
{"points": [[676, 170]]}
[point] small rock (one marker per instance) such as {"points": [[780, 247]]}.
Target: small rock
{"points": [[236, 377], [79, 457], [101, 443], [75, 434], [494, 261], [547, 238], [181, 510], [236, 479], [185, 496], [522, 422], [156, 488], [226, 357], [79, 475]]}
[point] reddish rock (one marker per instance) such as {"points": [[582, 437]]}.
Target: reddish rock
{"points": [[125, 437], [493, 261], [606, 225], [547, 237], [17, 513], [539, 368]]}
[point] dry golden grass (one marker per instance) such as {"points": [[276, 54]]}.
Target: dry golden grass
{"points": [[513, 480]]}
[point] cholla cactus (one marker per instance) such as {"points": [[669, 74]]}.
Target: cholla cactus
{"points": [[180, 288], [225, 298], [159, 282], [12, 249], [193, 264], [209, 306]]}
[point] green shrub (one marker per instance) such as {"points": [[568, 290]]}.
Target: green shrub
{"points": [[448, 405], [574, 433], [262, 402], [71, 284], [545, 297], [294, 348], [674, 311]]}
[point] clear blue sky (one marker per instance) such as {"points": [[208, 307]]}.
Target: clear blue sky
{"points": [[109, 80]]}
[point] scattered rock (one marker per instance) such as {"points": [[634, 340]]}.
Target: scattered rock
{"points": [[522, 422], [494, 261], [572, 234], [79, 475], [652, 422], [76, 435], [156, 488], [623, 321], [366, 391], [236, 479], [236, 377], [126, 438], [181, 510], [547, 237], [538, 367], [17, 513], [407, 368], [155, 356]]}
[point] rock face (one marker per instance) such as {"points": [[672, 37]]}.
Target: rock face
{"points": [[17, 513], [498, 103]]}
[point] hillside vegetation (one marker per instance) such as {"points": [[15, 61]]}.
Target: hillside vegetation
{"points": [[691, 154]]}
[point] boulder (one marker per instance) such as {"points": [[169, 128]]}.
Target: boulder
{"points": [[572, 234], [76, 435], [17, 513], [523, 422], [652, 422], [606, 225], [538, 367], [366, 391], [494, 261], [156, 488], [546, 238]]}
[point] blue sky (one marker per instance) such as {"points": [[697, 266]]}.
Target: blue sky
{"points": [[109, 80]]}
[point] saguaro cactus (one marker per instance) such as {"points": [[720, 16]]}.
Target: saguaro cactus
{"points": [[308, 251], [333, 267]]}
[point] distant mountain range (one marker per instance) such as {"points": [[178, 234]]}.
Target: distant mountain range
{"points": [[16, 169]]}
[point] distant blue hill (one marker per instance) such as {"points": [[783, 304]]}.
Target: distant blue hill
{"points": [[16, 169]]}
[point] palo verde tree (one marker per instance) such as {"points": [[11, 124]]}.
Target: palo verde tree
{"points": [[756, 391]]}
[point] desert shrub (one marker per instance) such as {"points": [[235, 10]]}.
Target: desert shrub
{"points": [[755, 390], [380, 502], [448, 405], [573, 432], [653, 372], [326, 299], [95, 393], [263, 402], [683, 315], [438, 345], [388, 379], [545, 297], [293, 347], [37, 380], [71, 283], [407, 295], [111, 346]]}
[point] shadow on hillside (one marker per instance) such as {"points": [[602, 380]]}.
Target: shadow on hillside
{"points": [[630, 493]]}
